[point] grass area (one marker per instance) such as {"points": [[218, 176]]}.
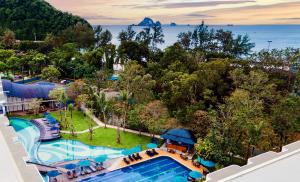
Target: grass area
{"points": [[108, 137], [80, 121]]}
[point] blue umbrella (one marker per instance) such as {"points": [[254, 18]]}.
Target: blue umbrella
{"points": [[206, 163], [195, 174], [151, 145], [53, 173], [70, 166], [100, 158], [135, 149], [126, 152], [179, 179], [84, 163]]}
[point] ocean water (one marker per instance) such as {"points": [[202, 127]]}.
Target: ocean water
{"points": [[282, 36]]}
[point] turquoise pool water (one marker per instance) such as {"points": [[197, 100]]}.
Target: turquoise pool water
{"points": [[58, 150], [161, 169]]}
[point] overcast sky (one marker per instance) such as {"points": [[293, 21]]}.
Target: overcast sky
{"points": [[124, 12]]}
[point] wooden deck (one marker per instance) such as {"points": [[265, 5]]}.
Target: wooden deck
{"points": [[45, 133]]}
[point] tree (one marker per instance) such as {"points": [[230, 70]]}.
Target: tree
{"points": [[144, 36], [35, 105], [185, 40], [285, 118], [127, 35], [157, 36], [50, 73], [200, 123], [71, 109], [8, 39], [105, 38], [60, 95], [98, 30], [155, 116]]}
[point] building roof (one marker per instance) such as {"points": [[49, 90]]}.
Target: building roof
{"points": [[270, 166], [179, 135], [40, 91]]}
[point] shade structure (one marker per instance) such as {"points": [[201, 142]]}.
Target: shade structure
{"points": [[179, 135], [53, 173], [70, 166], [206, 163], [100, 158], [84, 163], [151, 145], [195, 174], [26, 90], [126, 152], [179, 179], [135, 149]]}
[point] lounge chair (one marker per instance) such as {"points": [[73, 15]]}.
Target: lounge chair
{"points": [[75, 174], [135, 157], [82, 171], [70, 175], [149, 153], [139, 156], [130, 158], [92, 168], [88, 170], [154, 152], [126, 161]]}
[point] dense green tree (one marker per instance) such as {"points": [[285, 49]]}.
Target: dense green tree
{"points": [[128, 35], [50, 73], [33, 19]]}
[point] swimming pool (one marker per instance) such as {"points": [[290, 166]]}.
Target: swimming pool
{"points": [[57, 150], [159, 169]]}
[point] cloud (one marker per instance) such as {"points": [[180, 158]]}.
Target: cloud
{"points": [[193, 4], [199, 15], [101, 17], [294, 18]]}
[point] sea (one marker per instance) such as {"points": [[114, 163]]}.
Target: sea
{"points": [[264, 36]]}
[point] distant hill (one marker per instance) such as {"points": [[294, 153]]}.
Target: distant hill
{"points": [[148, 22], [30, 18]]}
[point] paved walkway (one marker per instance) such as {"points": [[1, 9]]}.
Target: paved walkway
{"points": [[101, 124]]}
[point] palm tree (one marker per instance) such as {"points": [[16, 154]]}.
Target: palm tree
{"points": [[60, 95], [71, 109], [254, 132], [124, 100]]}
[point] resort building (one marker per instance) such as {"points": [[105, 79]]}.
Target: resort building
{"points": [[270, 166], [18, 97]]}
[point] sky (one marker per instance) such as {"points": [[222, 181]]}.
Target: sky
{"points": [[214, 12]]}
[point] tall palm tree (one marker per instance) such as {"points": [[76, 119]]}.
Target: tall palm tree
{"points": [[124, 100], [71, 109]]}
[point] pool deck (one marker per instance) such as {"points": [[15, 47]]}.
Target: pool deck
{"points": [[176, 157], [118, 163]]}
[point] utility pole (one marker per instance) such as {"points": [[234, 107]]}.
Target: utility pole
{"points": [[269, 44]]}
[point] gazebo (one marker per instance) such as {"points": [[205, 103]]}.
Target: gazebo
{"points": [[179, 139]]}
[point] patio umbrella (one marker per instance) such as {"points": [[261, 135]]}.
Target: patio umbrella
{"points": [[84, 163], [195, 174], [179, 179], [135, 149], [206, 163], [70, 166], [126, 152], [100, 158], [53, 173], [151, 145]]}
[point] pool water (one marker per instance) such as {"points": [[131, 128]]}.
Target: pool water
{"points": [[57, 150], [160, 169]]}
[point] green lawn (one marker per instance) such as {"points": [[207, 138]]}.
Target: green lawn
{"points": [[107, 137], [80, 121]]}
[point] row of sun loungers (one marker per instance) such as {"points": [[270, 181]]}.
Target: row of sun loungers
{"points": [[132, 158], [151, 153], [84, 171]]}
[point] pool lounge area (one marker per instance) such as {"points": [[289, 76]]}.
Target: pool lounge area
{"points": [[58, 153]]}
